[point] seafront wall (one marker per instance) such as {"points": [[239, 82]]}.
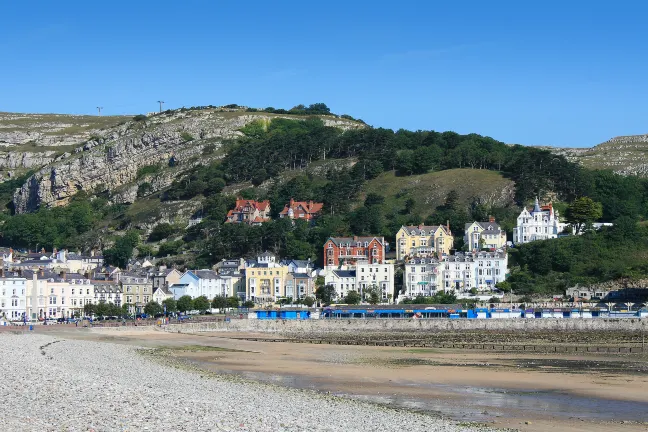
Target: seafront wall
{"points": [[310, 327]]}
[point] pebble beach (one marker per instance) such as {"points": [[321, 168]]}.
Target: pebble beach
{"points": [[53, 384]]}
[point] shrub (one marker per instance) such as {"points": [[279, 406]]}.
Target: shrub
{"points": [[186, 136], [144, 189], [161, 231], [139, 118], [146, 170], [208, 149], [170, 248]]}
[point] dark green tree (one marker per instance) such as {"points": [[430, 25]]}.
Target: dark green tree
{"points": [[185, 304], [201, 304], [352, 297], [153, 308], [326, 294]]}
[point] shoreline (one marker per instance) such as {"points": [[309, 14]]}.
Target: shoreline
{"points": [[149, 393], [529, 392]]}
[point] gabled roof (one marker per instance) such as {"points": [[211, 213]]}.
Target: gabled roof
{"points": [[491, 227], [425, 229], [352, 240], [163, 290], [307, 207]]}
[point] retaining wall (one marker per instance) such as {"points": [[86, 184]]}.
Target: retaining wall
{"points": [[295, 327]]}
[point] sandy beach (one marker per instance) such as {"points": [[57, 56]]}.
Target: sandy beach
{"points": [[529, 392]]}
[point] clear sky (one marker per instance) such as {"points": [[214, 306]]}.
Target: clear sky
{"points": [[564, 73]]}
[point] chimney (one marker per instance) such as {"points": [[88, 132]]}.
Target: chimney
{"points": [[448, 225], [292, 202], [20, 272], [491, 219], [42, 250], [41, 272], [62, 274], [86, 275], [1, 272], [355, 238], [92, 253]]}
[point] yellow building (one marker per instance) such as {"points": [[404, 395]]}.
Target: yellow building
{"points": [[484, 235], [266, 279], [423, 241]]}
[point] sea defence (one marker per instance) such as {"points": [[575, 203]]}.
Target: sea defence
{"points": [[313, 327]]}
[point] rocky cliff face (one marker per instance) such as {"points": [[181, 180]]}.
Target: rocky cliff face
{"points": [[625, 155], [111, 161]]}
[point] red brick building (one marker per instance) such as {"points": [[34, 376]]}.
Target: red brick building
{"points": [[349, 250], [306, 210]]}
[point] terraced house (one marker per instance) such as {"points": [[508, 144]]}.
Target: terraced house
{"points": [[266, 279], [423, 241], [349, 250], [137, 290]]}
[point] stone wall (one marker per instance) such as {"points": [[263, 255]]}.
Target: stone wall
{"points": [[310, 327]]}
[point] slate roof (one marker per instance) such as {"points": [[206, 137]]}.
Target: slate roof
{"points": [[424, 229], [353, 240], [205, 274], [345, 273]]}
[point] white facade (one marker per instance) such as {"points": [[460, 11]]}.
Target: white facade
{"points": [[421, 277], [13, 298], [460, 273], [49, 296], [205, 283], [361, 276], [342, 280], [541, 223]]}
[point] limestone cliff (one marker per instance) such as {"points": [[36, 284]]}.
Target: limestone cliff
{"points": [[111, 161], [625, 155]]}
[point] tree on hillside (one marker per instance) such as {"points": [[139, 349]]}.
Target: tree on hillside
{"points": [[326, 294], [185, 303], [583, 211], [161, 231]]}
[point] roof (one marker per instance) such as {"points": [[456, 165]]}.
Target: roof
{"points": [[205, 274], [485, 225], [297, 263], [340, 240], [345, 273], [308, 207], [162, 290], [267, 254], [425, 229], [300, 276]]}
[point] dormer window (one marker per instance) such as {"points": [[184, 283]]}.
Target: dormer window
{"points": [[413, 233], [422, 232]]}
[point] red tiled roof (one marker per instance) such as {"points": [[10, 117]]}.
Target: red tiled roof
{"points": [[308, 207]]}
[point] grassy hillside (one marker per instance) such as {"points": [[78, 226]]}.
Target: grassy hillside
{"points": [[429, 190]]}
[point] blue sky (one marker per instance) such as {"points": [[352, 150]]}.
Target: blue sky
{"points": [[568, 73]]}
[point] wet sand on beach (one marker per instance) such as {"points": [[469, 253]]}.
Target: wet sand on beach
{"points": [[529, 392]]}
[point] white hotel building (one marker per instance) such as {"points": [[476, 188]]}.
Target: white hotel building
{"points": [[460, 272]]}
